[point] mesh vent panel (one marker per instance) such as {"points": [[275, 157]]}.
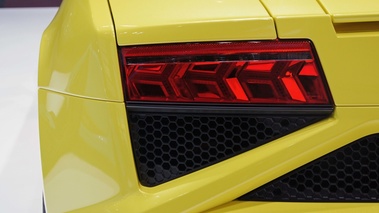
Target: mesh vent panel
{"points": [[347, 174], [167, 146]]}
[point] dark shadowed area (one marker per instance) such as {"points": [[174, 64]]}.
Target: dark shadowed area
{"points": [[30, 3]]}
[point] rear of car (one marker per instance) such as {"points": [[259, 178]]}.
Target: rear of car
{"points": [[215, 106]]}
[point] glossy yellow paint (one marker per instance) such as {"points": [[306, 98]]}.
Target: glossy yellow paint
{"points": [[293, 8], [294, 207], [190, 21], [353, 11], [87, 156], [348, 53], [83, 150], [79, 54]]}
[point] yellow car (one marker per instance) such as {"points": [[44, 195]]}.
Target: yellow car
{"points": [[211, 106]]}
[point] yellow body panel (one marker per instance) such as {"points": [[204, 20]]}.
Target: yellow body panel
{"points": [[83, 150], [352, 11], [79, 52], [87, 157], [292, 207], [190, 21]]}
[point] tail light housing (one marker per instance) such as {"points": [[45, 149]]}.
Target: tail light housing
{"points": [[192, 105], [264, 72]]}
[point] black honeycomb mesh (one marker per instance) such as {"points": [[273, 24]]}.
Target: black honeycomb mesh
{"points": [[347, 174], [167, 146]]}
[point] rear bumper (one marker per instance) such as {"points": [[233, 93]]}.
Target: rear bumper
{"points": [[88, 163]]}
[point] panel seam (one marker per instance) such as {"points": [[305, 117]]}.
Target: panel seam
{"points": [[272, 17], [79, 96]]}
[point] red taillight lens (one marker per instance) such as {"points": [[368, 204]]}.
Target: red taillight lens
{"points": [[266, 72]]}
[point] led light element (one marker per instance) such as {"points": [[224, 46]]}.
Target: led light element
{"points": [[265, 72]]}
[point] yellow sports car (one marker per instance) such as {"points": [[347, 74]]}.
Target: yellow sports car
{"points": [[211, 106]]}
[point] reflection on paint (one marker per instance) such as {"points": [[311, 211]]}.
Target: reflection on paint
{"points": [[73, 183], [59, 80], [54, 103]]}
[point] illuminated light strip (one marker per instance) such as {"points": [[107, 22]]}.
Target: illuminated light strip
{"points": [[293, 89], [221, 72], [237, 89]]}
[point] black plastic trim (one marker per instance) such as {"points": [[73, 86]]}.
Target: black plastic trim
{"points": [[168, 145], [230, 109], [213, 58]]}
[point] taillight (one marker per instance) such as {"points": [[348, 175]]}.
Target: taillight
{"points": [[264, 72], [190, 106]]}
